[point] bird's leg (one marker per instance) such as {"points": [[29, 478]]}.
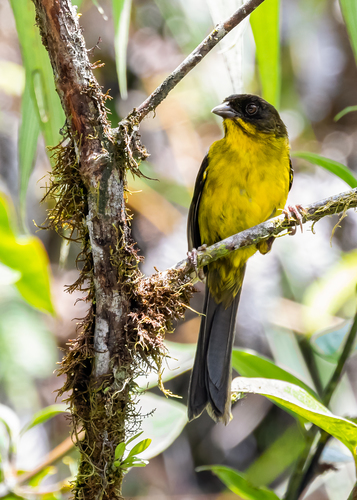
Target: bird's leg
{"points": [[296, 212], [192, 258]]}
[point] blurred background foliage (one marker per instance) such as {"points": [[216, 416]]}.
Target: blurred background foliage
{"points": [[297, 301]]}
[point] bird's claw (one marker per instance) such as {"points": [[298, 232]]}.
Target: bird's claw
{"points": [[296, 212], [192, 258]]}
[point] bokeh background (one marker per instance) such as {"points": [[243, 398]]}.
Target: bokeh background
{"points": [[306, 284]]}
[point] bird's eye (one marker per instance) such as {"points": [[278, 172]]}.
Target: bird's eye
{"points": [[251, 109]]}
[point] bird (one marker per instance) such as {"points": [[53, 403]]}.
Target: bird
{"points": [[244, 179]]}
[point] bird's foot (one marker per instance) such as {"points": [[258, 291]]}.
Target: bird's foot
{"points": [[192, 258], [265, 245], [294, 212]]}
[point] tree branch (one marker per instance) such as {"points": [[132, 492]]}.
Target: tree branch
{"points": [[191, 61], [333, 205]]}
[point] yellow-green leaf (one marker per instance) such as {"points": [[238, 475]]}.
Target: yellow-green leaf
{"points": [[333, 166], [27, 255], [265, 25], [297, 400], [349, 11], [237, 482], [45, 414]]}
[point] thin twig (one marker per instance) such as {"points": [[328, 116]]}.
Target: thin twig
{"points": [[220, 31], [304, 470], [272, 227]]}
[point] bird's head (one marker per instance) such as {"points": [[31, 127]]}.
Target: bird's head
{"points": [[252, 114]]}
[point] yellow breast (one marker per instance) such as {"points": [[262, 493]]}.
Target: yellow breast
{"points": [[247, 182]]}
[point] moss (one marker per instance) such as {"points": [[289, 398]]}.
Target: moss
{"points": [[103, 413]]}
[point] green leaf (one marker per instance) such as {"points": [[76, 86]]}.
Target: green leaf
{"points": [[251, 364], [119, 451], [139, 447], [164, 425], [237, 482], [282, 453], [344, 112], [45, 414], [133, 438], [265, 25], [299, 401], [28, 138], [349, 12], [27, 255], [121, 19], [133, 462], [333, 166], [39, 75]]}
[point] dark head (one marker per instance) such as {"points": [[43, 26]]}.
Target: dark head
{"points": [[252, 113]]}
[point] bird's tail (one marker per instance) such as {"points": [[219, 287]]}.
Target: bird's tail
{"points": [[211, 374]]}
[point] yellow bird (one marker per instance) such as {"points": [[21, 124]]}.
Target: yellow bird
{"points": [[243, 180]]}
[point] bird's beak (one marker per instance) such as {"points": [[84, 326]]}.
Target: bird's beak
{"points": [[224, 110]]}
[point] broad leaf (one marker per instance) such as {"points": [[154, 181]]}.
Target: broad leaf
{"points": [[333, 166], [265, 25], [27, 255], [45, 414], [121, 19], [164, 425], [140, 447], [277, 458], [296, 399], [119, 451], [237, 482], [349, 11], [251, 364]]}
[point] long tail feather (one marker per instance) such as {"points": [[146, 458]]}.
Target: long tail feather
{"points": [[211, 374]]}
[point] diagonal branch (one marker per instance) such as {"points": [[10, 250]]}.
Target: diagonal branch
{"points": [[220, 31], [337, 204]]}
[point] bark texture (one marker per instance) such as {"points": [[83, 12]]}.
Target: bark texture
{"points": [[98, 364]]}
